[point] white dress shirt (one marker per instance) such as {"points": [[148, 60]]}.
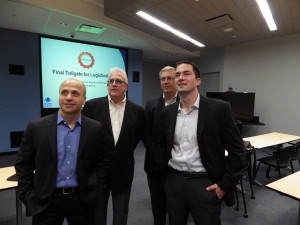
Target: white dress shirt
{"points": [[172, 101], [116, 112], [185, 151]]}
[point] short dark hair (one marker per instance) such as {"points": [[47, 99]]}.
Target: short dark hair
{"points": [[195, 67]]}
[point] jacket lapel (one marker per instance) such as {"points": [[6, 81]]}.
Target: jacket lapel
{"points": [[161, 104], [83, 135], [52, 135], [128, 114], [172, 122], [104, 109], [202, 114]]}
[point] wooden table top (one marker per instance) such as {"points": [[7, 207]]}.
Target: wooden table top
{"points": [[289, 185], [270, 139], [4, 174]]}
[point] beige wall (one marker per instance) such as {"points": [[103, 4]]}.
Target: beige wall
{"points": [[270, 68]]}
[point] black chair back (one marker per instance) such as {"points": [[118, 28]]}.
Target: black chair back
{"points": [[286, 154]]}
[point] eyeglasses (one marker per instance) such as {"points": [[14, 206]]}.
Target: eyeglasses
{"points": [[118, 81], [166, 78]]}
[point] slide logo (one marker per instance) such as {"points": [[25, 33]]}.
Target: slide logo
{"points": [[47, 103], [86, 60]]}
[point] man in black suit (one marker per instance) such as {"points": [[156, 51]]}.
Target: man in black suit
{"points": [[153, 110], [123, 123], [62, 165], [196, 131]]}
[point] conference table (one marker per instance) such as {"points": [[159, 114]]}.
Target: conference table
{"points": [[288, 186], [7, 185], [268, 140]]}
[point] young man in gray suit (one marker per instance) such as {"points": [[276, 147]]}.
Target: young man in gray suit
{"points": [[153, 111], [62, 166], [195, 134], [123, 122]]}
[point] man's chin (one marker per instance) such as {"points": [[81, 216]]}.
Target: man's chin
{"points": [[114, 94], [182, 90]]}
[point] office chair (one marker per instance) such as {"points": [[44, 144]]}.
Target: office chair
{"points": [[296, 156], [247, 172], [280, 159]]}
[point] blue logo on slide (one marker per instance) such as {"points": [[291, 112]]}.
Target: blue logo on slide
{"points": [[47, 103], [48, 99]]}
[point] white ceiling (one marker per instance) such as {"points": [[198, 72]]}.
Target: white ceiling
{"points": [[126, 29]]}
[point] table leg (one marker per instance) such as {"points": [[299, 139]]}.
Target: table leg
{"points": [[254, 165], [18, 208], [250, 175], [254, 181], [298, 223]]}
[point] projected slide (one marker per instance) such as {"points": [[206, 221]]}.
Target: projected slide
{"points": [[89, 63]]}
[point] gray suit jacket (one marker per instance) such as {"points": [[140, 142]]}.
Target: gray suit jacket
{"points": [[153, 112]]}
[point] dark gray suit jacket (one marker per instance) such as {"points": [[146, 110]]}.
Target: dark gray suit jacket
{"points": [[153, 111], [216, 131], [36, 163], [122, 155]]}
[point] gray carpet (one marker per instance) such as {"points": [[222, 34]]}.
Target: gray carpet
{"points": [[268, 208]]}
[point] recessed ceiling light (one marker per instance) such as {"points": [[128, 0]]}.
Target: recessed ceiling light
{"points": [[228, 29], [62, 24], [119, 40], [167, 27]]}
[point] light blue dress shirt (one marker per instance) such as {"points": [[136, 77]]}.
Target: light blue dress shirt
{"points": [[67, 149]]}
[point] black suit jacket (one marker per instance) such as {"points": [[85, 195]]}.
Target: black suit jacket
{"points": [[153, 111], [216, 131], [36, 164], [122, 154]]}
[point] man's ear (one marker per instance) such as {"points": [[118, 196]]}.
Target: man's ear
{"points": [[199, 81]]}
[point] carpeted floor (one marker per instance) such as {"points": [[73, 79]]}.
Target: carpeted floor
{"points": [[268, 208]]}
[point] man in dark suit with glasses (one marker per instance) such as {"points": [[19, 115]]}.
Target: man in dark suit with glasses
{"points": [[153, 109], [123, 123]]}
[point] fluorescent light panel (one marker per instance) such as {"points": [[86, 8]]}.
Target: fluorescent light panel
{"points": [[90, 29], [265, 10], [165, 26]]}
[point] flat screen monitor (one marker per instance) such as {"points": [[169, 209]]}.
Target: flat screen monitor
{"points": [[242, 103], [63, 59]]}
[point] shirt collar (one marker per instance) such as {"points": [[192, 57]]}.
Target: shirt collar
{"points": [[173, 99], [111, 101], [60, 119], [175, 96], [195, 104]]}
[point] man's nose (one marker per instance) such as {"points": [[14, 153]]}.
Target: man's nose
{"points": [[180, 76], [69, 96]]}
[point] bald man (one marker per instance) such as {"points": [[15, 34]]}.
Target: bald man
{"points": [[62, 165]]}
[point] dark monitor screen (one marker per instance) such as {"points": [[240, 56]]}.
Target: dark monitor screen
{"points": [[242, 103], [16, 138]]}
